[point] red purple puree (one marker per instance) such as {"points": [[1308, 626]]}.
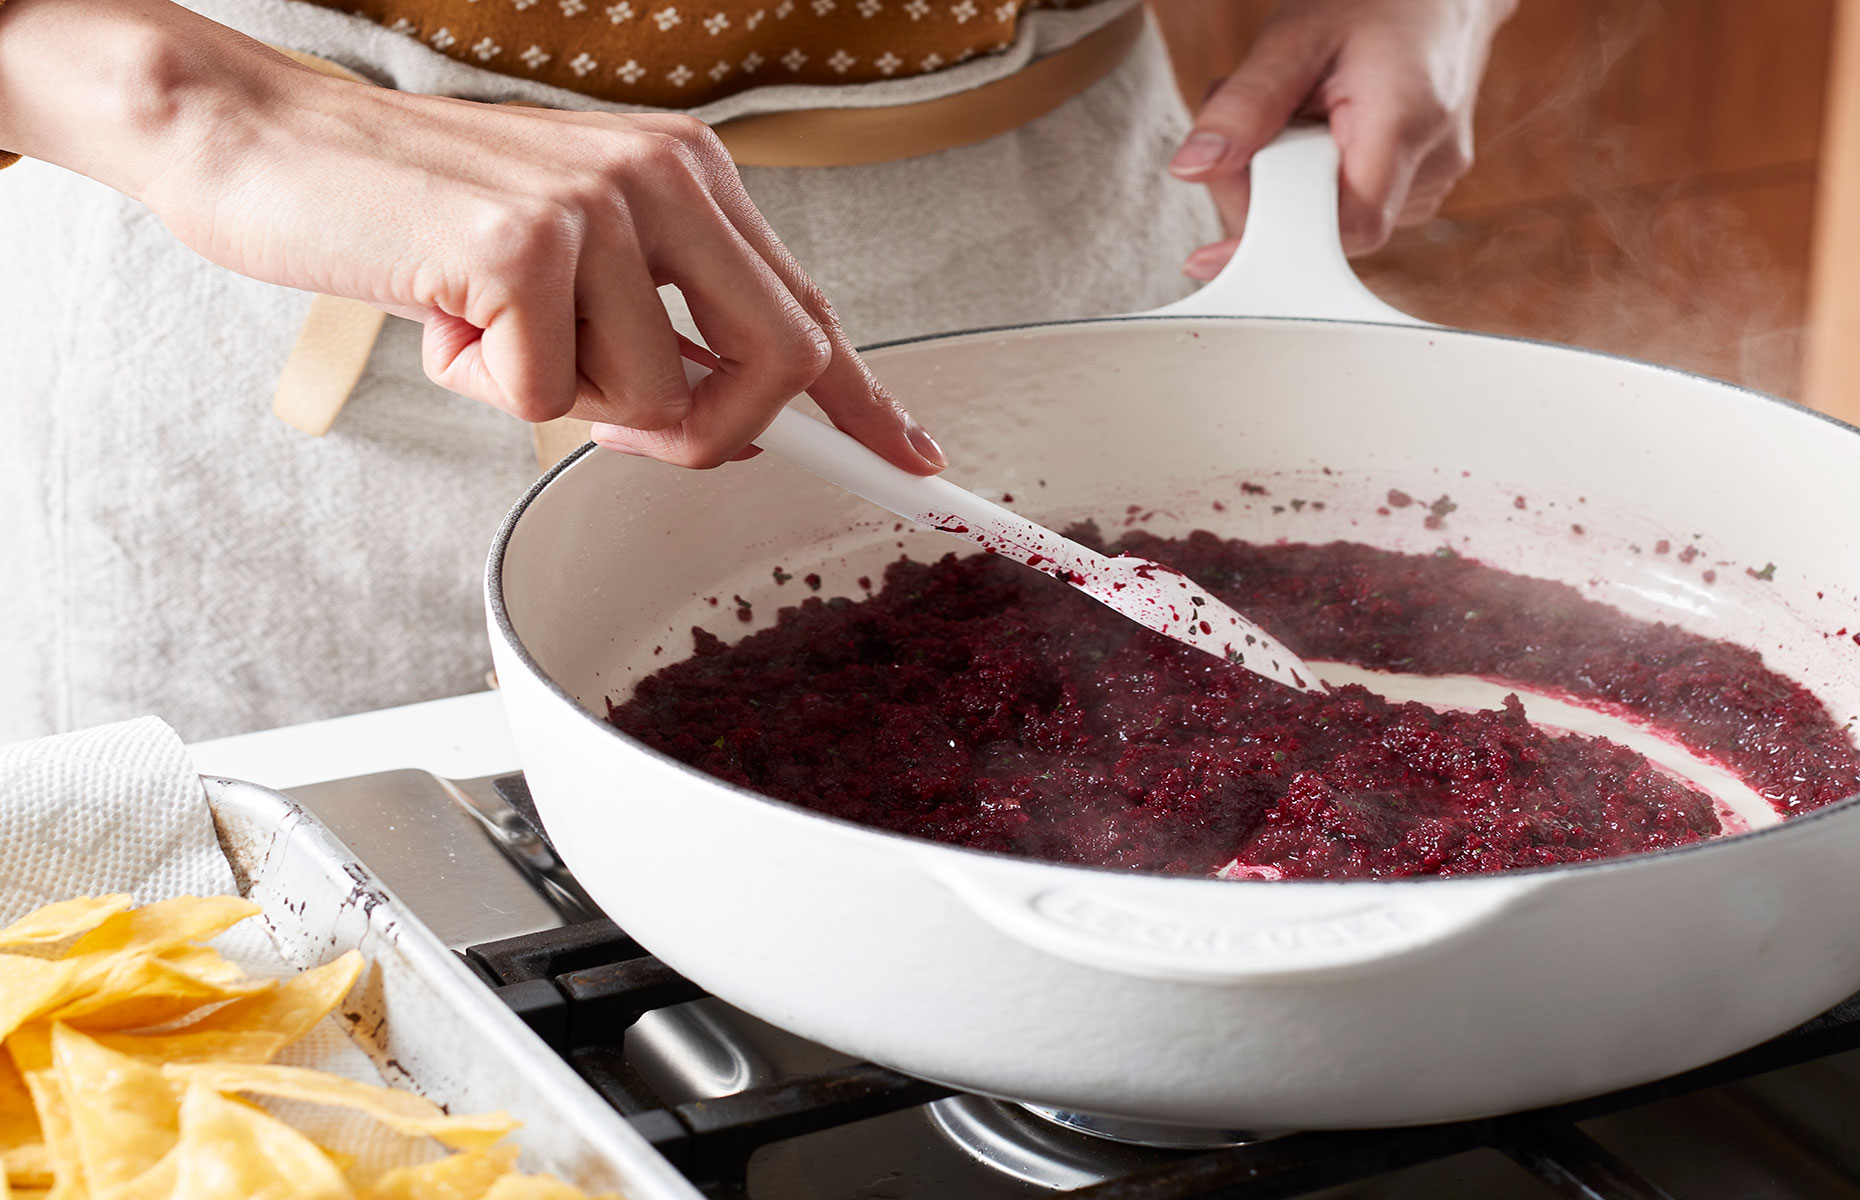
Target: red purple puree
{"points": [[976, 702]]}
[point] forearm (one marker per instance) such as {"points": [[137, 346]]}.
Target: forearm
{"points": [[531, 243], [122, 90]]}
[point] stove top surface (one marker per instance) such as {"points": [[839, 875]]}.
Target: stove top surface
{"points": [[751, 1112]]}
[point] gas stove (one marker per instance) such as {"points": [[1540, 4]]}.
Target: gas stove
{"points": [[749, 1112]]}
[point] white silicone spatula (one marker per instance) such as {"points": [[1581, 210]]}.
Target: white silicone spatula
{"points": [[1151, 594]]}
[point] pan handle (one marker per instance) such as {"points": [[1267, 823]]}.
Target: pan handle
{"points": [[1290, 262], [1226, 933]]}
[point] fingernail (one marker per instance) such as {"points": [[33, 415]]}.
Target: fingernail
{"points": [[1204, 264], [926, 447], [1198, 153]]}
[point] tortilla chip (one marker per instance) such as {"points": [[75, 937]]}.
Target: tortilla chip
{"points": [[68, 918], [156, 1183], [124, 1114], [344, 1162], [165, 925], [204, 962], [29, 986], [533, 1187], [195, 1045], [295, 1007], [401, 1111], [19, 1124], [30, 1048], [27, 1166], [464, 1176], [233, 1151], [48, 1096], [140, 990], [94, 1110]]}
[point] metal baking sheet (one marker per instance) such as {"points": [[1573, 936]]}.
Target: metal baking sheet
{"points": [[418, 1012]]}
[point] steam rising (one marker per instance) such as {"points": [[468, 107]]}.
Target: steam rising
{"points": [[1618, 243]]}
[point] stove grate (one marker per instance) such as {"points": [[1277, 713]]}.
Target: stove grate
{"points": [[581, 986]]}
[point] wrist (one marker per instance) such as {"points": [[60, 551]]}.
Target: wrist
{"points": [[125, 91]]}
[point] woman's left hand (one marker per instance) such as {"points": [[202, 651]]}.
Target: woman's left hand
{"points": [[1396, 79]]}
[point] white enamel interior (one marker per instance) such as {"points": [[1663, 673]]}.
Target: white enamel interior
{"points": [[1242, 1003]]}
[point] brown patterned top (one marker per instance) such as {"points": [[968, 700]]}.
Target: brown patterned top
{"points": [[683, 53]]}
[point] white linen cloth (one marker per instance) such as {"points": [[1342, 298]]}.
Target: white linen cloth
{"points": [[172, 547]]}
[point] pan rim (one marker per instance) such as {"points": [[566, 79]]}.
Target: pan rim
{"points": [[501, 623]]}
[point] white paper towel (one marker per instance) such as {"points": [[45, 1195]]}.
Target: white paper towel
{"points": [[118, 808]]}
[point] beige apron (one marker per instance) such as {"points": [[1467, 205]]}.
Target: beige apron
{"points": [[171, 547]]}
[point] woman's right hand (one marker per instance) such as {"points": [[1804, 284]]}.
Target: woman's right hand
{"points": [[530, 242]]}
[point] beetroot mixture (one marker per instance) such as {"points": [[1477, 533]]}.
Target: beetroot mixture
{"points": [[976, 702]]}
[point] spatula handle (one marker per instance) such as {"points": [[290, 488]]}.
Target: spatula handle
{"points": [[822, 450]]}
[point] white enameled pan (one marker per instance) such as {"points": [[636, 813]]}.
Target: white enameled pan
{"points": [[1214, 1003]]}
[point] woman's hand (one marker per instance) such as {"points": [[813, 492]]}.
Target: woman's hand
{"points": [[530, 242], [1395, 78]]}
